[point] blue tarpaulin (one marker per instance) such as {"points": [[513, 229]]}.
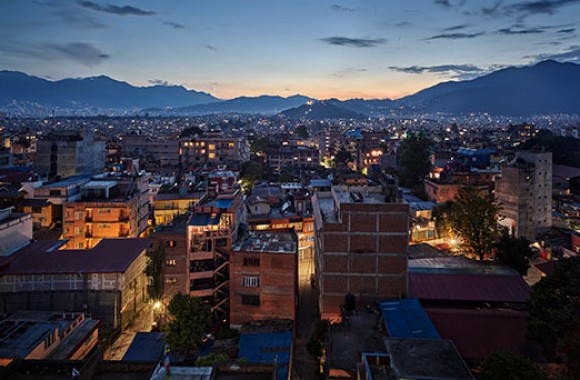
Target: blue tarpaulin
{"points": [[406, 319]]}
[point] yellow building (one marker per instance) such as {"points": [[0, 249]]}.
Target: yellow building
{"points": [[169, 205]]}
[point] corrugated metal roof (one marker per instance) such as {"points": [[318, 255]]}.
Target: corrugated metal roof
{"points": [[265, 347], [146, 347], [468, 287], [222, 203], [478, 333], [205, 219], [406, 319]]}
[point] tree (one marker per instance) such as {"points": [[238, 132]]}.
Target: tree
{"points": [[154, 269], [474, 218], [192, 131], [260, 144], [414, 160], [514, 252], [442, 216], [342, 157], [508, 365], [250, 171], [302, 132], [554, 312], [191, 321]]}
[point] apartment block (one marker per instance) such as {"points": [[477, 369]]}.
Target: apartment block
{"points": [[263, 277], [292, 156], [214, 148], [361, 246]]}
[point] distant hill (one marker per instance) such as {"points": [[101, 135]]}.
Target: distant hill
{"points": [[547, 87], [371, 107], [22, 93], [317, 110], [260, 105]]}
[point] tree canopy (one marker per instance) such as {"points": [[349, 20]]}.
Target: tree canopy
{"points": [[342, 157], [250, 171], [508, 365], [192, 131], [191, 321], [414, 159], [442, 216], [474, 218], [302, 132], [554, 312], [565, 150], [514, 252], [154, 270]]}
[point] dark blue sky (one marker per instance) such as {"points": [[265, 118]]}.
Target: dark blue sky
{"points": [[371, 49]]}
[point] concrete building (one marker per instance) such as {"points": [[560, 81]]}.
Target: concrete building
{"points": [[167, 206], [37, 335], [525, 192], [163, 153], [214, 148], [67, 153], [107, 281], [361, 246], [15, 231], [111, 206], [292, 156], [264, 277]]}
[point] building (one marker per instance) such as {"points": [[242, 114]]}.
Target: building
{"points": [[107, 281], [67, 153], [292, 156], [110, 206], [15, 231], [214, 148], [525, 192], [37, 335], [155, 152], [361, 246], [167, 206], [264, 277]]}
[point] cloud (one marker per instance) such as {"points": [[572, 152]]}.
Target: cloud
{"points": [[402, 23], [449, 3], [564, 31], [347, 72], [210, 47], [540, 6], [342, 8], [160, 82], [174, 25], [353, 42], [571, 54], [81, 52], [456, 27], [464, 71], [454, 36], [126, 10], [491, 11], [521, 31]]}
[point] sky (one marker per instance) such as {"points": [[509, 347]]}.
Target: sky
{"points": [[323, 49]]}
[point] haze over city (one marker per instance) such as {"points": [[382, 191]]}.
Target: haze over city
{"points": [[322, 49]]}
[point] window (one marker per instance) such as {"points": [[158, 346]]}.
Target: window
{"points": [[104, 211], [171, 243], [250, 300], [250, 281], [78, 215], [251, 262], [170, 280], [170, 262], [80, 245]]}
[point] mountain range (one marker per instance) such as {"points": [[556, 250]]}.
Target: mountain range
{"points": [[547, 87]]}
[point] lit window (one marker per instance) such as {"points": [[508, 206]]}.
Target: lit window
{"points": [[250, 281]]}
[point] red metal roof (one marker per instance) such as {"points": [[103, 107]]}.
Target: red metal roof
{"points": [[109, 256], [478, 333], [468, 287]]}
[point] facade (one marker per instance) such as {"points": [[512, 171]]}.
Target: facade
{"points": [[361, 246], [165, 153], [167, 206], [37, 335], [109, 207], [15, 231], [293, 156], [214, 148], [68, 153], [263, 277], [108, 281], [525, 192]]}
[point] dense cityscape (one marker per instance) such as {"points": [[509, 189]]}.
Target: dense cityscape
{"points": [[154, 231]]}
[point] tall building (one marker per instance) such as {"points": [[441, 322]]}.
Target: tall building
{"points": [[110, 206], [264, 277], [67, 153], [214, 148], [361, 246], [525, 192]]}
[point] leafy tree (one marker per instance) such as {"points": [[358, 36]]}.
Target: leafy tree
{"points": [[554, 312], [514, 252], [342, 157], [302, 132], [211, 360], [154, 269], [192, 131], [474, 217], [414, 159], [442, 216], [565, 150], [508, 365], [191, 321], [250, 171], [260, 144]]}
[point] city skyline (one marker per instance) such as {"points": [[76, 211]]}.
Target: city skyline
{"points": [[346, 49]]}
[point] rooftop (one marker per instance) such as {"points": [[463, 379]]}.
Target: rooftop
{"points": [[268, 241], [406, 318], [265, 348]]}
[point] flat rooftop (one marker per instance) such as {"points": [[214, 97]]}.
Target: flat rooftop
{"points": [[267, 241]]}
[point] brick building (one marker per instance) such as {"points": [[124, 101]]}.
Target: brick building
{"points": [[263, 277], [361, 246]]}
